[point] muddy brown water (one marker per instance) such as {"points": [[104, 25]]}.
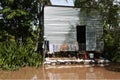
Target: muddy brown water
{"points": [[61, 72]]}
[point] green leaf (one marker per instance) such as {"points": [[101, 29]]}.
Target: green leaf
{"points": [[11, 15], [6, 9], [20, 12]]}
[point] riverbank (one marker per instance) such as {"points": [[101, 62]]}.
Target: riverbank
{"points": [[113, 67]]}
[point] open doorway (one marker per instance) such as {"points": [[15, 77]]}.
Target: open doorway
{"points": [[81, 36]]}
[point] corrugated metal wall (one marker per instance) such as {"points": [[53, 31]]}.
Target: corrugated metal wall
{"points": [[60, 28], [94, 30]]}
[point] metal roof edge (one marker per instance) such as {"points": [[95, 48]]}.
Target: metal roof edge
{"points": [[60, 6]]}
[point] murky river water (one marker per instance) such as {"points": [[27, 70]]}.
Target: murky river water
{"points": [[63, 72]]}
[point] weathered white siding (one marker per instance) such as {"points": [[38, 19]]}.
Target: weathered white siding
{"points": [[60, 25], [60, 28], [94, 30]]}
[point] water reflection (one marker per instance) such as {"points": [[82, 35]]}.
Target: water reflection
{"points": [[91, 74], [69, 72]]}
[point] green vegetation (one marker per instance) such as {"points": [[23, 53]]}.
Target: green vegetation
{"points": [[109, 11], [13, 56], [18, 40], [20, 44]]}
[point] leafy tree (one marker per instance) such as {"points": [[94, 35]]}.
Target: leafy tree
{"points": [[17, 17], [16, 26], [16, 23]]}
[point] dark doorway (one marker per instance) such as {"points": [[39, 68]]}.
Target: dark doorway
{"points": [[81, 37]]}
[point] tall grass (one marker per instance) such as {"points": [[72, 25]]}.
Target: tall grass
{"points": [[13, 56]]}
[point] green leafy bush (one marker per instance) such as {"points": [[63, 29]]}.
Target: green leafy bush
{"points": [[13, 56], [116, 57]]}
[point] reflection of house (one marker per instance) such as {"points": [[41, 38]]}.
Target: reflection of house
{"points": [[67, 26], [92, 74], [59, 76]]}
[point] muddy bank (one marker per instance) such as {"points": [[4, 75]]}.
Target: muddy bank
{"points": [[113, 67]]}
